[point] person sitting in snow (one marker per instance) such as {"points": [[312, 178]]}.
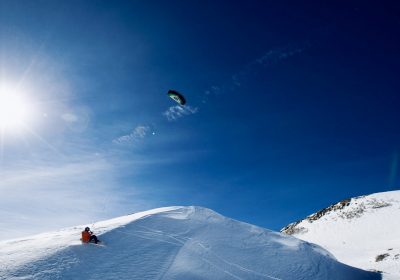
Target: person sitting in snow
{"points": [[88, 236]]}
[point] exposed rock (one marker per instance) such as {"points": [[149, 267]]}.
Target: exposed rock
{"points": [[338, 206], [381, 257], [356, 211], [292, 229]]}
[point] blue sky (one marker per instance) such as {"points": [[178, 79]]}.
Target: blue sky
{"points": [[290, 107]]}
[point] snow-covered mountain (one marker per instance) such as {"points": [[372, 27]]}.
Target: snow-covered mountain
{"points": [[171, 243], [363, 232]]}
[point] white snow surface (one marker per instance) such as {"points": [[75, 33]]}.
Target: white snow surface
{"points": [[182, 243], [356, 234]]}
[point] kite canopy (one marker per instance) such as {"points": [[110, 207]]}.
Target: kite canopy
{"points": [[177, 96]]}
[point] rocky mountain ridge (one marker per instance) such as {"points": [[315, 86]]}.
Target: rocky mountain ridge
{"points": [[362, 231]]}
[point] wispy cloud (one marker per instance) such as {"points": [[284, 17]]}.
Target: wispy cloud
{"points": [[176, 112], [276, 55], [69, 117], [269, 58], [78, 119], [56, 194], [140, 132], [42, 195]]}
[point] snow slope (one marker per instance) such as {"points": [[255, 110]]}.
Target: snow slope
{"points": [[363, 232], [182, 243]]}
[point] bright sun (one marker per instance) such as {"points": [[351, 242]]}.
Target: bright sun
{"points": [[14, 110]]}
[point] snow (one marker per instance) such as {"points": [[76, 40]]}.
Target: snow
{"points": [[358, 233], [171, 243]]}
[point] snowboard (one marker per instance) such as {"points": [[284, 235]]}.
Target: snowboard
{"points": [[101, 244]]}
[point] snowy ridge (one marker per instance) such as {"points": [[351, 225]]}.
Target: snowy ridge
{"points": [[363, 232], [171, 243]]}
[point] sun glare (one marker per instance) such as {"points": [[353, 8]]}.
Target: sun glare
{"points": [[14, 109]]}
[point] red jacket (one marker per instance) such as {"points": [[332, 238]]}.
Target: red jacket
{"points": [[86, 236]]}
